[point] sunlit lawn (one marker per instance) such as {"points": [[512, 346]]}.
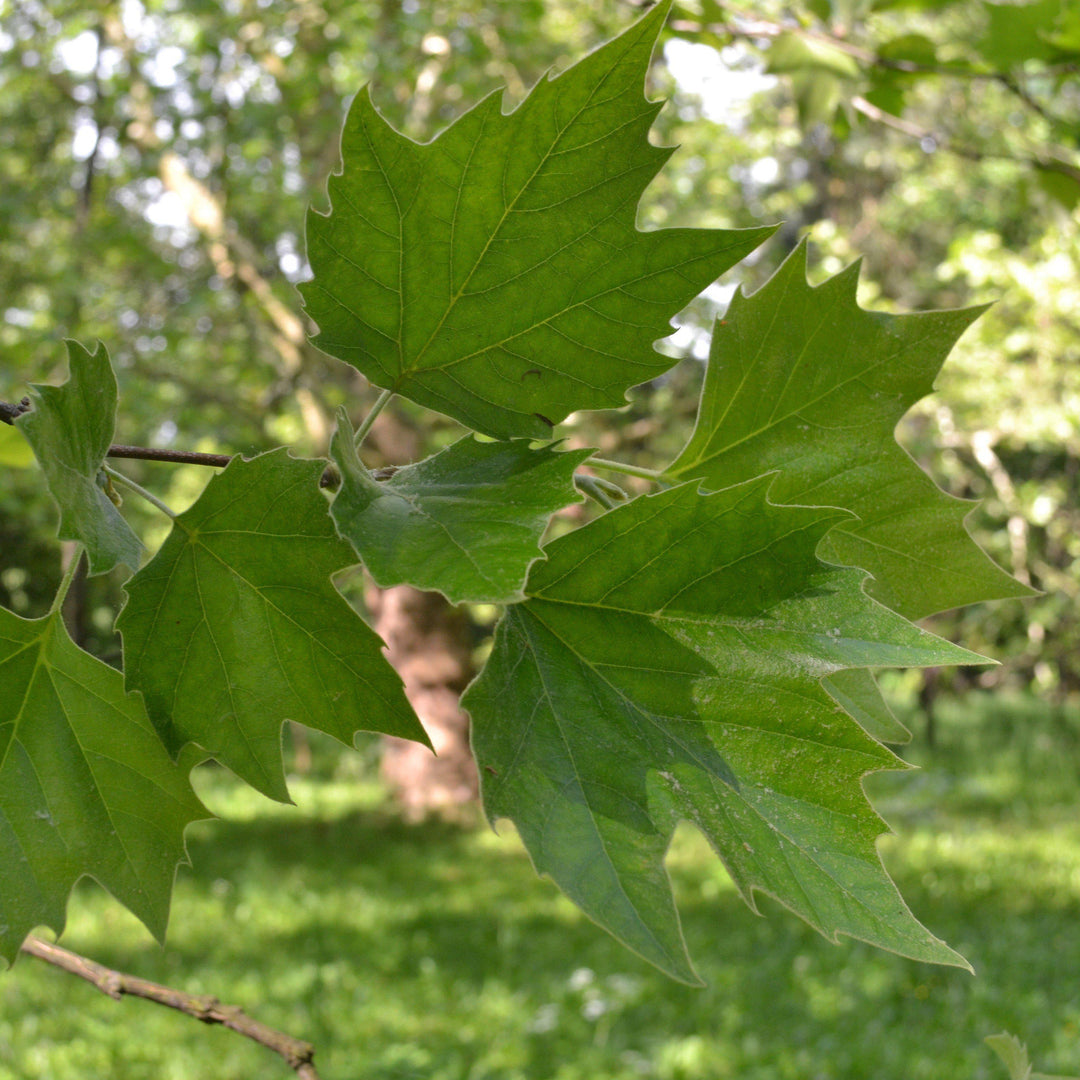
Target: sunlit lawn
{"points": [[433, 951]]}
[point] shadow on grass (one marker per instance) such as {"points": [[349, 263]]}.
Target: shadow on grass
{"points": [[435, 951]]}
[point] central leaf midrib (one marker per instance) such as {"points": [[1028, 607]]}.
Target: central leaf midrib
{"points": [[507, 210]]}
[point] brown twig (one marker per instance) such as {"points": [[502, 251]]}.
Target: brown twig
{"points": [[329, 478], [204, 1007], [177, 457]]}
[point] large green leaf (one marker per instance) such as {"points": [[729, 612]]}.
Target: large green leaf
{"points": [[496, 273], [466, 522], [86, 786], [70, 428], [803, 381], [234, 626], [667, 666]]}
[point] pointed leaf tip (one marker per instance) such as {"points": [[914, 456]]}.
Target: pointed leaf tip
{"points": [[803, 381]]}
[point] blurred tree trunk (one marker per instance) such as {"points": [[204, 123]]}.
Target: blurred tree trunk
{"points": [[429, 645]]}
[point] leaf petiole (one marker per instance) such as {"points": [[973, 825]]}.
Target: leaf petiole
{"points": [[67, 579], [120, 478], [630, 470], [607, 494], [380, 403]]}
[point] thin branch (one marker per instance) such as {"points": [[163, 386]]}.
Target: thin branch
{"points": [[298, 1054], [905, 127], [750, 27], [65, 582], [970, 153], [178, 457], [9, 412], [380, 403]]}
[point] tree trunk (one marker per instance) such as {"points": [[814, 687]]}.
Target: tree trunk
{"points": [[429, 645]]}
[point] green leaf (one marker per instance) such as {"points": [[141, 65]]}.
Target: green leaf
{"points": [[15, 452], [1019, 33], [803, 381], [234, 626], [496, 273], [1062, 186], [70, 428], [917, 48], [466, 522], [1013, 1053], [795, 53], [86, 786], [667, 666], [857, 691]]}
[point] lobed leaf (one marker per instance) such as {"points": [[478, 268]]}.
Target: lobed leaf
{"points": [[667, 665], [86, 786], [70, 428], [801, 380], [496, 274], [465, 522], [234, 626]]}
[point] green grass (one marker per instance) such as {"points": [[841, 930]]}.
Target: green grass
{"points": [[433, 951]]}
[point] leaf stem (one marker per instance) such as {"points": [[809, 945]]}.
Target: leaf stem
{"points": [[380, 403], [120, 478], [594, 488], [67, 579], [630, 470]]}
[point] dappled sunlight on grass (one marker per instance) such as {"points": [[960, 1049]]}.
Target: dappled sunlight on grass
{"points": [[434, 951]]}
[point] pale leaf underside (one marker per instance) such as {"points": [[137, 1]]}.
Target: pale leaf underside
{"points": [[466, 522]]}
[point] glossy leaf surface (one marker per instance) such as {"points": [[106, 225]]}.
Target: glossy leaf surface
{"points": [[803, 381]]}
